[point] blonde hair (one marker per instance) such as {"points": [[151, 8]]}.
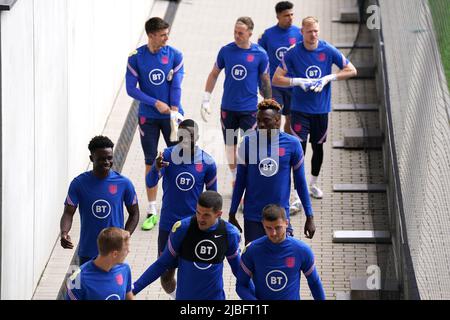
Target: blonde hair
{"points": [[269, 104], [111, 239], [309, 20], [246, 21]]}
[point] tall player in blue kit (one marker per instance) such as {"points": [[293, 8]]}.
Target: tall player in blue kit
{"points": [[307, 67], [276, 41], [107, 277], [245, 64], [100, 195], [199, 244], [186, 170], [158, 69], [274, 263], [266, 158]]}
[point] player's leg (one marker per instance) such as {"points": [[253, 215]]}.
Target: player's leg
{"points": [[149, 133], [300, 127], [319, 131], [166, 130], [253, 230], [283, 97], [168, 282], [230, 126]]}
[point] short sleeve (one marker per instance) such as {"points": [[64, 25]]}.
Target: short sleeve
{"points": [[130, 197], [220, 62], [73, 195]]}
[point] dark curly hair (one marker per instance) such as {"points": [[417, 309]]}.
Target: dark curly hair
{"points": [[100, 142]]}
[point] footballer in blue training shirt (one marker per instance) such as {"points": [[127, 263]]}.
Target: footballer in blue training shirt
{"points": [[274, 263], [100, 195], [186, 170], [276, 41], [307, 67], [245, 64], [158, 70], [106, 277], [199, 244], [266, 158]]}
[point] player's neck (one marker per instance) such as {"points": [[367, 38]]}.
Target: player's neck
{"points": [[283, 27], [152, 48], [100, 174], [245, 45], [311, 47], [104, 263]]}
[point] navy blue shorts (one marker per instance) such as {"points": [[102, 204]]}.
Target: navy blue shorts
{"points": [[283, 97], [234, 120], [83, 260], [149, 130], [254, 230], [316, 125]]}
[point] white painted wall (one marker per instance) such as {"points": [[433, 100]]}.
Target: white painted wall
{"points": [[63, 62]]}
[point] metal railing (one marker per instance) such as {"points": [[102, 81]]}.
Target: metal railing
{"points": [[415, 117]]}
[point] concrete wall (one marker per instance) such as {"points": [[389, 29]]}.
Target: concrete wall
{"points": [[63, 62]]}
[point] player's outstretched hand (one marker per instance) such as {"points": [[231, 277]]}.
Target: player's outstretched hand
{"points": [[160, 163]]}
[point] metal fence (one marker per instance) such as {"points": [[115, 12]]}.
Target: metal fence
{"points": [[416, 118]]}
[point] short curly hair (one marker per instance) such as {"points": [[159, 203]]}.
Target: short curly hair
{"points": [[269, 104], [100, 142]]}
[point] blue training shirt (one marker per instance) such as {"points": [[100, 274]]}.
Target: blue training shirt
{"points": [[100, 204], [275, 269], [151, 71], [183, 182], [243, 68], [195, 281], [299, 62], [92, 283], [264, 172], [276, 41]]}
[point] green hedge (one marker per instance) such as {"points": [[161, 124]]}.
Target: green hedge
{"points": [[441, 19]]}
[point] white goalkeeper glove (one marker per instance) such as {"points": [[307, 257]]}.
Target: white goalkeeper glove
{"points": [[175, 120], [205, 109], [303, 83], [318, 85]]}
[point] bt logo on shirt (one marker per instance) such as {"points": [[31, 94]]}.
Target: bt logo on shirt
{"points": [[101, 209], [185, 181], [313, 72], [206, 250], [239, 72], [280, 53], [157, 77], [276, 280], [268, 167]]}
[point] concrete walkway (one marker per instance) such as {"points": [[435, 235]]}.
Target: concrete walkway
{"points": [[201, 27]]}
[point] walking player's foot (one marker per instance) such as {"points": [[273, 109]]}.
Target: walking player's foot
{"points": [[315, 192], [295, 207], [150, 222]]}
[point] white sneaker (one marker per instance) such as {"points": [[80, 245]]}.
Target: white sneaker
{"points": [[295, 207], [315, 192]]}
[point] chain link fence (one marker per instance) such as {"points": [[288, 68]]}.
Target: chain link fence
{"points": [[415, 101]]}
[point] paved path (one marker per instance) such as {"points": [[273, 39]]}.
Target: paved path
{"points": [[201, 27]]}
